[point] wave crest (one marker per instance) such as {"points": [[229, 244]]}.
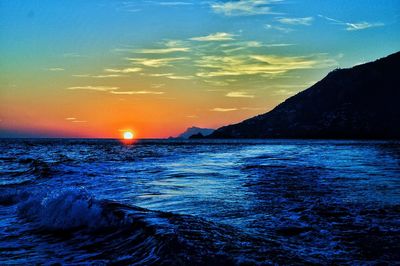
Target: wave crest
{"points": [[69, 209]]}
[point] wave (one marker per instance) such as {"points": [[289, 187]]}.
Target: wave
{"points": [[11, 196], [69, 209], [117, 233], [36, 167], [23, 171]]}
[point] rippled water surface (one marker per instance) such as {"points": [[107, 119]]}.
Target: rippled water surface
{"points": [[205, 202]]}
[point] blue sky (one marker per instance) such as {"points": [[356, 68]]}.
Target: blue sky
{"points": [[209, 63]]}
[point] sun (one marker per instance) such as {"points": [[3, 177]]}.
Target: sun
{"points": [[128, 135]]}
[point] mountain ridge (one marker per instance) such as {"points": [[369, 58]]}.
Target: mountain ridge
{"points": [[195, 131], [362, 102]]}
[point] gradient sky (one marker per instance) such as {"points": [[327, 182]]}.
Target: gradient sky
{"points": [[95, 68]]}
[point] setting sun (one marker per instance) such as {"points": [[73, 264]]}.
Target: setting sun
{"points": [[128, 135]]}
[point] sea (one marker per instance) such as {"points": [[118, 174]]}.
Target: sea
{"points": [[199, 202]]}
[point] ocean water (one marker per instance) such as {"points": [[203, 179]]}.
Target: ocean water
{"points": [[200, 202]]}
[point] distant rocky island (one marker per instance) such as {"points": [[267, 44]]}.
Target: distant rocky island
{"points": [[193, 132], [362, 102]]}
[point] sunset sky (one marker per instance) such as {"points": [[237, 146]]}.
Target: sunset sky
{"points": [[96, 68]]}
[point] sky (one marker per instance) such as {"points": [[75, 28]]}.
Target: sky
{"points": [[95, 69]]}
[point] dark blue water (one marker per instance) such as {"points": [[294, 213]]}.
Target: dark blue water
{"points": [[166, 202]]}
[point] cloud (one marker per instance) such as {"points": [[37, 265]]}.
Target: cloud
{"points": [[112, 90], [218, 109], [279, 44], [278, 28], [75, 120], [158, 75], [362, 26], [219, 36], [162, 50], [284, 92], [218, 66], [124, 70], [133, 10], [243, 44], [136, 92], [296, 21], [55, 69], [170, 76], [157, 85], [239, 94], [93, 88], [159, 62], [98, 76], [350, 26], [216, 82], [180, 77], [170, 46], [116, 73], [244, 7], [239, 46]]}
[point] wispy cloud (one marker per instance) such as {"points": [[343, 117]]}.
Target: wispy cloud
{"points": [[97, 76], [306, 21], [124, 70], [244, 7], [170, 76], [93, 88], [243, 44], [75, 120], [354, 26], [279, 44], [159, 62], [55, 69], [169, 46], [158, 85], [239, 46], [216, 83], [112, 90], [219, 36], [136, 92], [219, 109], [162, 50], [278, 28], [239, 94], [180, 77], [116, 73], [284, 92], [219, 66]]}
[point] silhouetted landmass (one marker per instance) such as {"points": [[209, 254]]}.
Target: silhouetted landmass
{"points": [[194, 131], [197, 136], [362, 102]]}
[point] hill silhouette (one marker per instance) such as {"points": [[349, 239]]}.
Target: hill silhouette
{"points": [[362, 102], [195, 131]]}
